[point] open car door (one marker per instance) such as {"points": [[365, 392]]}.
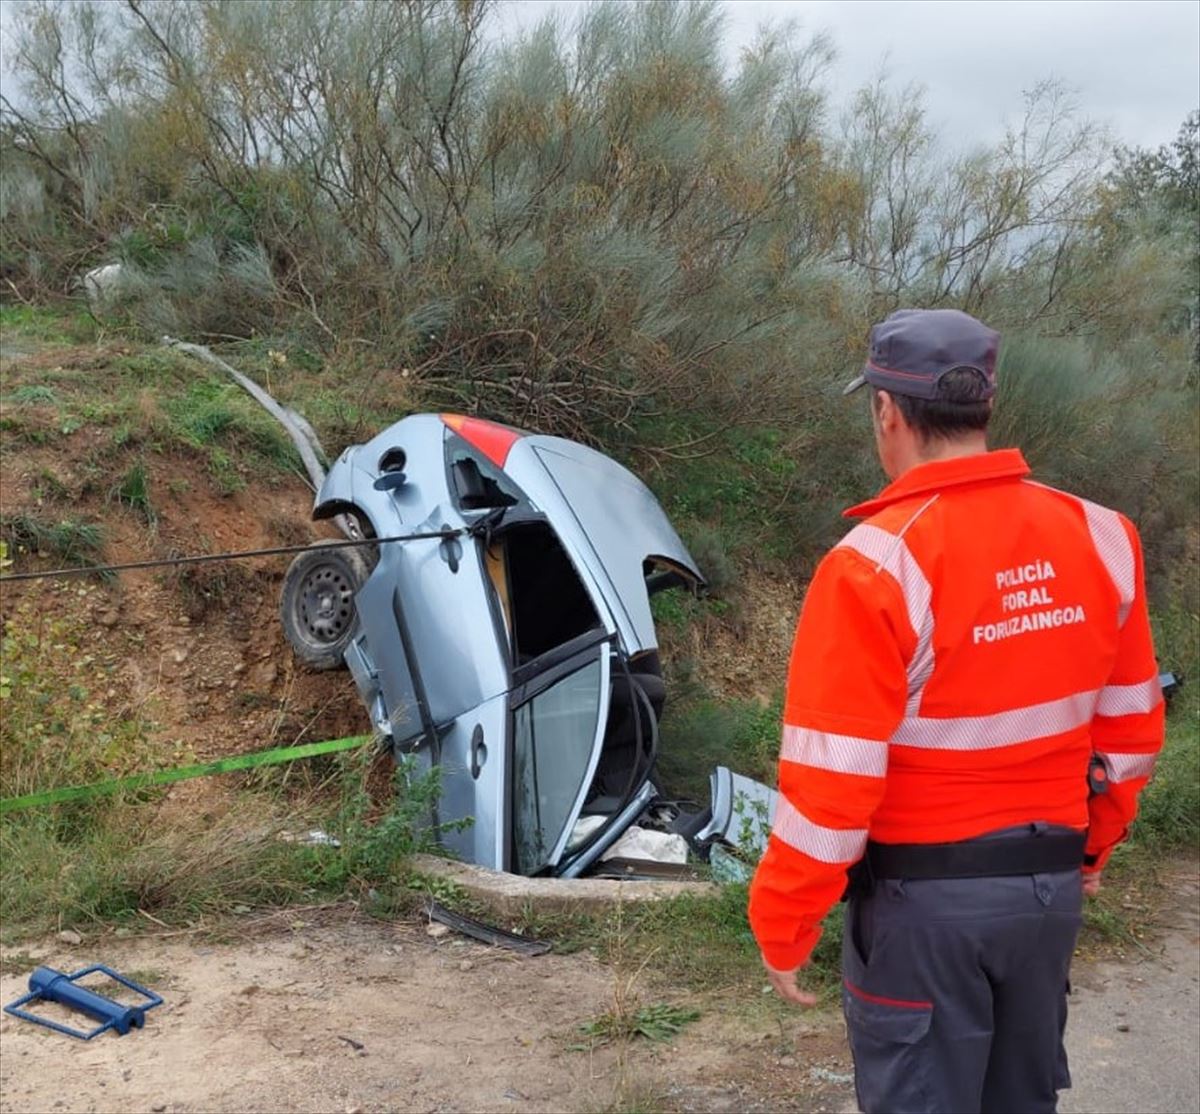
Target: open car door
{"points": [[609, 521]]}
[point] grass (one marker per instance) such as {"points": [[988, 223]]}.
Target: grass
{"points": [[237, 436], [99, 865], [728, 494], [695, 943], [1169, 812], [33, 394], [49, 325], [153, 397], [660, 1022], [68, 541], [66, 719], [65, 716], [133, 492]]}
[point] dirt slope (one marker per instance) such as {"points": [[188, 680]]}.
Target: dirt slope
{"points": [[200, 652]]}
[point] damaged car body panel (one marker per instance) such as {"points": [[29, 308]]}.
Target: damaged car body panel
{"points": [[514, 648]]}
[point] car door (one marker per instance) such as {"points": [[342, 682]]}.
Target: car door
{"points": [[559, 711]]}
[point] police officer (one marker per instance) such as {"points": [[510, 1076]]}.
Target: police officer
{"points": [[972, 709]]}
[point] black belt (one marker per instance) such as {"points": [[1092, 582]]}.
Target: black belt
{"points": [[977, 858]]}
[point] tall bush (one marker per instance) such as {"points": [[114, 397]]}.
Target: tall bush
{"points": [[598, 229]]}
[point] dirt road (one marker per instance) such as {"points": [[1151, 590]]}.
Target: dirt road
{"points": [[348, 1014], [272, 1023]]}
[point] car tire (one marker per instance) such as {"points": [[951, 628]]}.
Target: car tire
{"points": [[316, 605]]}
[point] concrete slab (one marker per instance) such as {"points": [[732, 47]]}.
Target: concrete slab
{"points": [[510, 894]]}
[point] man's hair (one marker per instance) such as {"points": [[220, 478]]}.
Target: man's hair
{"points": [[960, 407]]}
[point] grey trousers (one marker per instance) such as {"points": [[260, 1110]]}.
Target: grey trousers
{"points": [[955, 992]]}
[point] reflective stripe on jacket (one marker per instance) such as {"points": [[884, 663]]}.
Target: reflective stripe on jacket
{"points": [[959, 656]]}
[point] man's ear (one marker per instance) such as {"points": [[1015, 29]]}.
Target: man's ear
{"points": [[887, 413]]}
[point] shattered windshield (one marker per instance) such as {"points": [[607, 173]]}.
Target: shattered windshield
{"points": [[554, 734]]}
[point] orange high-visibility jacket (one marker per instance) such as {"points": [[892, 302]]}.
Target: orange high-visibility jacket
{"points": [[959, 657]]}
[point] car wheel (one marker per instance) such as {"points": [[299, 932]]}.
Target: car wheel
{"points": [[317, 602]]}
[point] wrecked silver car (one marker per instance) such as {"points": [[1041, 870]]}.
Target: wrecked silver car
{"points": [[511, 644]]}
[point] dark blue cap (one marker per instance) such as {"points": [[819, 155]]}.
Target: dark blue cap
{"points": [[913, 348]]}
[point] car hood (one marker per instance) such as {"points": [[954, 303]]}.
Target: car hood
{"points": [[609, 520]]}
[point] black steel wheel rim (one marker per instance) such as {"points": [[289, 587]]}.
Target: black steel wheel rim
{"points": [[326, 603]]}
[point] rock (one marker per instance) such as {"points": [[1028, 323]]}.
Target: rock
{"points": [[70, 936], [108, 618], [466, 965], [437, 931], [1123, 1027], [159, 1107], [241, 910], [179, 655]]}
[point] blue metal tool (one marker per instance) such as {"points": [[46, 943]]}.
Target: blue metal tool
{"points": [[49, 985]]}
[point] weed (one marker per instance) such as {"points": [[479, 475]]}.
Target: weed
{"points": [[1169, 809], [65, 718], [660, 1022], [47, 487], [106, 863], [133, 491], [112, 859], [636, 1096], [70, 541], [709, 549], [33, 394], [374, 852], [445, 892], [153, 977]]}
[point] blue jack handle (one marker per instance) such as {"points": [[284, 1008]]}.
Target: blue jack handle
{"points": [[49, 985], [53, 986]]}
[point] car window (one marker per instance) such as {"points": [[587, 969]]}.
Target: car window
{"points": [[547, 604], [554, 734]]}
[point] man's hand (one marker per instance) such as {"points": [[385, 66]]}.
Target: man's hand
{"points": [[785, 986], [1091, 884]]}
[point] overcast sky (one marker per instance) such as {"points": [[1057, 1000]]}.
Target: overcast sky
{"points": [[1135, 64]]}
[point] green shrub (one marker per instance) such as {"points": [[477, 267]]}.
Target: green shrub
{"points": [[699, 735]]}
